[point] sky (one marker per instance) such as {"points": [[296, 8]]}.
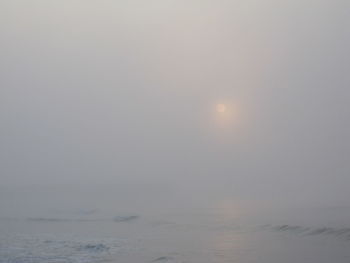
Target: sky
{"points": [[123, 94]]}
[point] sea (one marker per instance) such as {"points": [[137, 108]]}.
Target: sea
{"points": [[317, 235]]}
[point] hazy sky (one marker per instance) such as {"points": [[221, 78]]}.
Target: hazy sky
{"points": [[125, 91]]}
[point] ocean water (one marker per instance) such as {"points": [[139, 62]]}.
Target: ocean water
{"points": [[195, 236]]}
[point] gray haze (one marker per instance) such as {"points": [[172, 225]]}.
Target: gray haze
{"points": [[112, 103]]}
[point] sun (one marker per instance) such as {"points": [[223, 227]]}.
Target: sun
{"points": [[221, 108]]}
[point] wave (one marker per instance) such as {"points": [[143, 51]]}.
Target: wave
{"points": [[46, 219], [43, 249], [87, 212], [125, 218], [95, 247], [343, 232], [163, 259]]}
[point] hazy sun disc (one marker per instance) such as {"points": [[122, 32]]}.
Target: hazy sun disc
{"points": [[221, 108]]}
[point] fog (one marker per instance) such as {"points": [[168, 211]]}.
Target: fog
{"points": [[112, 104]]}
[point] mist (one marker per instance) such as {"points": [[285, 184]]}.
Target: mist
{"points": [[110, 105]]}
